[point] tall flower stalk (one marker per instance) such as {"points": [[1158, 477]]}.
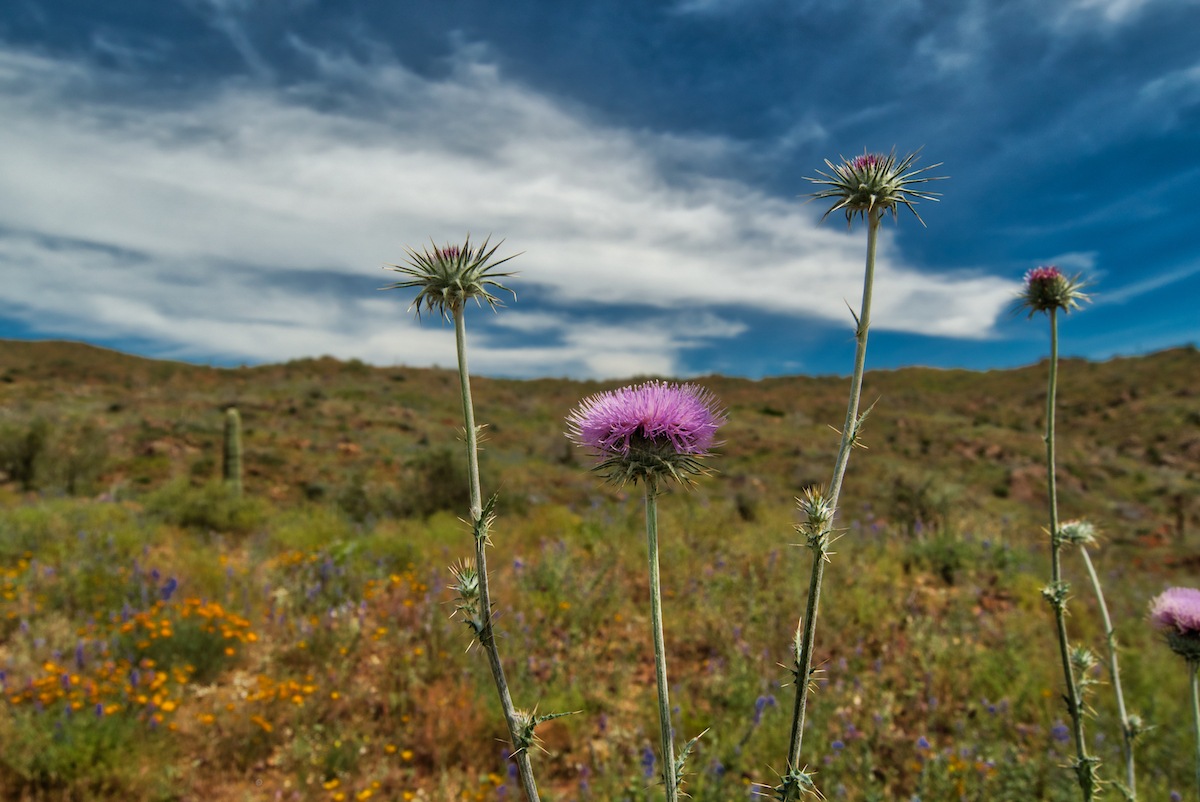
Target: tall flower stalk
{"points": [[652, 433], [447, 278], [1177, 612], [1083, 534], [867, 186], [1048, 290]]}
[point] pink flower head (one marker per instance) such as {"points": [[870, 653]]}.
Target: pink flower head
{"points": [[867, 160], [1046, 288], [1177, 610], [1042, 275], [647, 429]]}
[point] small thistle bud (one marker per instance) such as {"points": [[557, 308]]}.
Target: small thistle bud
{"points": [[448, 276], [873, 182], [1057, 593], [1077, 533], [818, 518], [1082, 660], [1177, 610], [1135, 726], [795, 785], [1049, 288], [817, 511], [528, 722], [466, 585], [648, 431]]}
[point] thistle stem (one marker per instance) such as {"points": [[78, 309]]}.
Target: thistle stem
{"points": [[1059, 601], [1194, 670], [849, 434], [486, 634], [660, 653], [1127, 735]]}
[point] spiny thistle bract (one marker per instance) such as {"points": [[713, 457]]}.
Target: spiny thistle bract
{"points": [[655, 429], [874, 181], [450, 275], [1048, 288]]}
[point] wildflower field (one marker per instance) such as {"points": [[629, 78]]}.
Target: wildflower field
{"points": [[163, 637]]}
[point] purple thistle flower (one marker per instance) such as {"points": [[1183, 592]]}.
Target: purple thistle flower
{"points": [[1177, 610], [647, 430]]}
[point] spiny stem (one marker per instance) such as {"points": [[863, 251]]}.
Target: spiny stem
{"points": [[486, 635], [1127, 734], [1056, 585], [849, 433], [660, 654]]}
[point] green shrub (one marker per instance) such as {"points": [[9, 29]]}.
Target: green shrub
{"points": [[214, 506]]}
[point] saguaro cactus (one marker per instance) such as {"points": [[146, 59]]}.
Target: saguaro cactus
{"points": [[231, 462]]}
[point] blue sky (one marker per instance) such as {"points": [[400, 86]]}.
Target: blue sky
{"points": [[221, 181]]}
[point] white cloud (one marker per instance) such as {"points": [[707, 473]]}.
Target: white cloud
{"points": [[210, 223]]}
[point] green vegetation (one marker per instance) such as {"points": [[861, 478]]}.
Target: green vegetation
{"points": [[163, 638]]}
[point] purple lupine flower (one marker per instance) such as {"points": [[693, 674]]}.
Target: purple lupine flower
{"points": [[1177, 610], [761, 704], [648, 762], [168, 589], [1060, 732], [923, 743], [647, 430]]}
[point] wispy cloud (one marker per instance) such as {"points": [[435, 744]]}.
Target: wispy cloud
{"points": [[222, 222]]}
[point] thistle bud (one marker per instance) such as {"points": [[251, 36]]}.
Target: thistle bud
{"points": [[1048, 288], [450, 275], [1077, 533], [817, 511], [874, 182]]}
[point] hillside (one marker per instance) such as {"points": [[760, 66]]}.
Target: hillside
{"points": [[1129, 433]]}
